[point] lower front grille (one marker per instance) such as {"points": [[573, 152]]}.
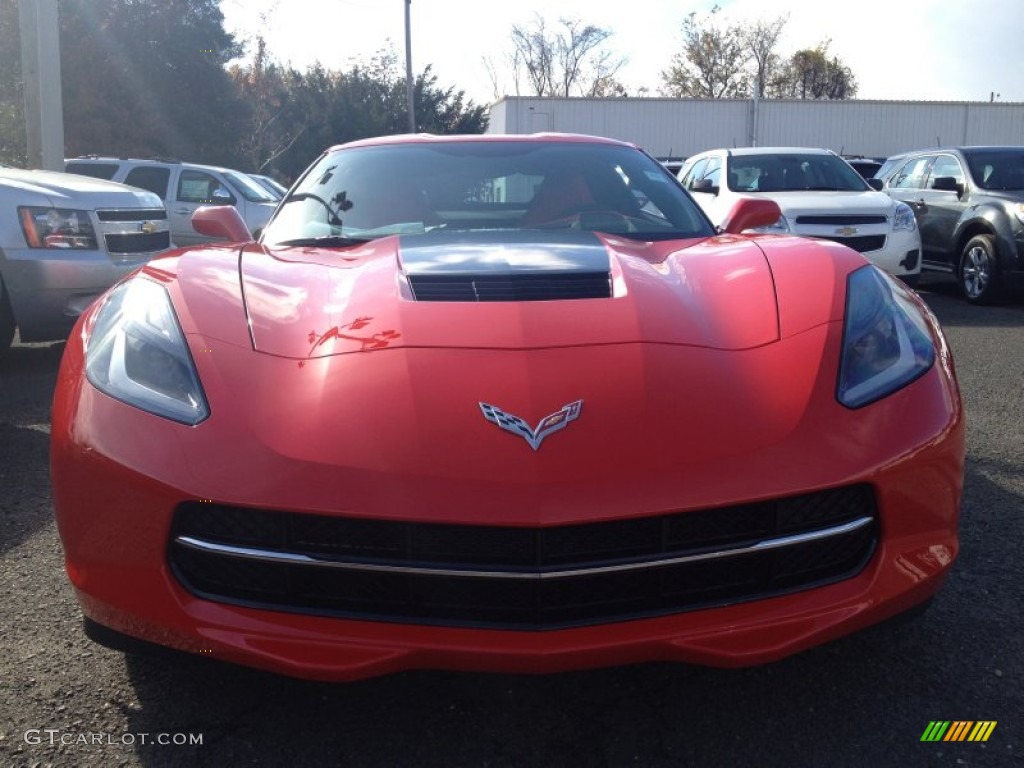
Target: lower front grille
{"points": [[138, 243], [861, 244], [522, 578]]}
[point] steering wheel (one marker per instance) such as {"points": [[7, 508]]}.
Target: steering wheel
{"points": [[590, 218]]}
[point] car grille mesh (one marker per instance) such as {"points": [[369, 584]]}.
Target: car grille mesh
{"points": [[138, 243], [861, 244], [843, 220], [521, 578]]}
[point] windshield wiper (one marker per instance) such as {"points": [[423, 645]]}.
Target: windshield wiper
{"points": [[327, 241]]}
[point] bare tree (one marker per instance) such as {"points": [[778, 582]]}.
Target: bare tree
{"points": [[570, 59], [761, 40], [712, 64]]}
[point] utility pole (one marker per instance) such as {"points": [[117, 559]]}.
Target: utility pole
{"points": [[408, 70], [40, 68]]}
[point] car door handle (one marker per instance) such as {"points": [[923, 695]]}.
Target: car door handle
{"points": [[184, 210]]}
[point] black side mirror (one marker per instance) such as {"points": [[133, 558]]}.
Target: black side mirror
{"points": [[704, 185], [948, 184], [875, 184]]}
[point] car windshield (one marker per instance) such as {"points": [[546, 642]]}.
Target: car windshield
{"points": [[360, 193], [791, 173], [249, 189], [997, 169]]}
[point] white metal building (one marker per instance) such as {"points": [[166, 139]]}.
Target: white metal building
{"points": [[676, 128]]}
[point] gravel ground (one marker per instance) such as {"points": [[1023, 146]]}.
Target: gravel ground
{"points": [[861, 701]]}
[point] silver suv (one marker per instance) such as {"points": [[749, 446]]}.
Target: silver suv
{"points": [[184, 187], [65, 239]]}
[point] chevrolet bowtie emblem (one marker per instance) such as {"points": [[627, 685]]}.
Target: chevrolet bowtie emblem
{"points": [[552, 423], [846, 231]]}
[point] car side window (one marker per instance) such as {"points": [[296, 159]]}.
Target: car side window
{"points": [[149, 177], [695, 173], [946, 165], [713, 172], [912, 174], [200, 187]]}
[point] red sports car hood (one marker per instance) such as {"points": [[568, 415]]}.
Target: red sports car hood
{"points": [[481, 290]]}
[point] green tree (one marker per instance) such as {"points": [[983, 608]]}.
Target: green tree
{"points": [[147, 77], [813, 74], [12, 114], [319, 108]]}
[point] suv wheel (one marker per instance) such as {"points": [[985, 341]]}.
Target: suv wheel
{"points": [[978, 272], [6, 319]]}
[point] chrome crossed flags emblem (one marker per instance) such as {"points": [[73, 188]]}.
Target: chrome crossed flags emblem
{"points": [[552, 423]]}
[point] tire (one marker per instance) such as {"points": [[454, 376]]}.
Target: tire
{"points": [[978, 271], [6, 319]]}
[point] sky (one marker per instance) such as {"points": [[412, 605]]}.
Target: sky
{"points": [[942, 50]]}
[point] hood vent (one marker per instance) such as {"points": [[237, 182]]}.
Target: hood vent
{"points": [[506, 265], [521, 287]]}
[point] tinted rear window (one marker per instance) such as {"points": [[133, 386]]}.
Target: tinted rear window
{"points": [[96, 170]]}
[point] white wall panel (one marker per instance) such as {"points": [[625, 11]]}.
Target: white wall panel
{"points": [[681, 127]]}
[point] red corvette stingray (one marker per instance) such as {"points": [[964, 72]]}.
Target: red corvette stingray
{"points": [[503, 403]]}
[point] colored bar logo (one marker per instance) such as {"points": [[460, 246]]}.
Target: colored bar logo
{"points": [[958, 730]]}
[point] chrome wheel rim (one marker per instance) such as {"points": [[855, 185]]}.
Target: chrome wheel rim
{"points": [[977, 272]]}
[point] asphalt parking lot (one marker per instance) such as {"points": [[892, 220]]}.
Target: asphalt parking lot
{"points": [[865, 700]]}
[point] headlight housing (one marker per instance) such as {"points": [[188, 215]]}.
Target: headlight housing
{"points": [[137, 354], [886, 341], [903, 218], [57, 228]]}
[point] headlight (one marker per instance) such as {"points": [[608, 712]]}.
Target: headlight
{"points": [[886, 343], [1019, 210], [903, 218], [781, 226], [137, 354], [57, 228]]}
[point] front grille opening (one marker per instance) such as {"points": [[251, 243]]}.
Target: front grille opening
{"points": [[522, 578], [138, 242], [862, 243]]}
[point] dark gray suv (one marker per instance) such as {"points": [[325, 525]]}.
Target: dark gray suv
{"points": [[969, 204]]}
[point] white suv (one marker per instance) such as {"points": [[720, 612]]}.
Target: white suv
{"points": [[819, 194], [184, 187]]}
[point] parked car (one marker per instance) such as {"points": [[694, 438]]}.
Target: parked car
{"points": [[890, 164], [184, 187], [65, 239], [270, 184], [819, 194], [673, 164], [865, 166], [503, 403], [969, 203]]}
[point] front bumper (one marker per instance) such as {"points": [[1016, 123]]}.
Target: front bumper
{"points": [[116, 490], [49, 289]]}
